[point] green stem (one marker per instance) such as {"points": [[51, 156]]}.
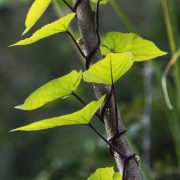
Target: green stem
{"points": [[168, 8], [122, 16], [171, 24]]}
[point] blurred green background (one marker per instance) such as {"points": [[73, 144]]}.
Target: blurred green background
{"points": [[72, 153]]}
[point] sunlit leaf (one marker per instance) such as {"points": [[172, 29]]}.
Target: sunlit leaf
{"points": [[113, 64], [101, 1], [105, 174], [141, 49], [102, 174], [57, 88], [35, 12], [117, 176], [82, 116], [55, 27]]}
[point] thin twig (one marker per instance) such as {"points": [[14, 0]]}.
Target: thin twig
{"points": [[97, 22], [105, 140], [68, 5], [74, 40], [79, 98], [115, 100]]}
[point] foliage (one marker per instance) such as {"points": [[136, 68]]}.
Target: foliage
{"points": [[35, 12], [58, 26], [58, 88], [82, 116], [105, 174], [141, 49]]}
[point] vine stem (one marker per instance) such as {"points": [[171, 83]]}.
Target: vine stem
{"points": [[68, 5], [79, 98], [115, 100], [105, 140], [97, 22], [74, 40]]}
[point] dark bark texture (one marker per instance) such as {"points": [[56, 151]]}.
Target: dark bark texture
{"points": [[86, 22]]}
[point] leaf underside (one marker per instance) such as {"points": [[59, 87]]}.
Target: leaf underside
{"points": [[141, 49], [57, 88], [82, 116], [55, 27], [113, 66], [35, 12], [105, 174]]}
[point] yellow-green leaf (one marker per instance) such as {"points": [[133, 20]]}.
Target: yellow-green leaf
{"points": [[82, 116], [57, 88], [113, 64], [117, 176], [55, 27], [101, 1], [102, 174], [35, 12], [105, 174], [141, 49]]}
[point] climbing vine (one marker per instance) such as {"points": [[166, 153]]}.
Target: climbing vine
{"points": [[120, 51]]}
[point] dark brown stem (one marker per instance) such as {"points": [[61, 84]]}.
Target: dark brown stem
{"points": [[105, 140], [77, 45], [97, 22], [68, 5]]}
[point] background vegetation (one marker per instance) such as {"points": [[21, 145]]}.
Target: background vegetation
{"points": [[74, 152]]}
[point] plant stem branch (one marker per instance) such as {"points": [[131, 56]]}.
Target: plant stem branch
{"points": [[68, 5], [105, 140], [77, 45]]}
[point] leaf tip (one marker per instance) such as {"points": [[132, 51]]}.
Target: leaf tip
{"points": [[19, 107], [12, 45], [13, 130], [25, 31], [164, 52]]}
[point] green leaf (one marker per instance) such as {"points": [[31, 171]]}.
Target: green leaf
{"points": [[117, 176], [57, 88], [35, 12], [105, 174], [55, 27], [141, 49], [82, 116], [102, 174], [115, 64], [101, 1]]}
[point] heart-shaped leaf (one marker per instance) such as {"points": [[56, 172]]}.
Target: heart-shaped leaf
{"points": [[112, 66], [141, 49], [57, 88], [82, 116], [55, 27], [35, 12]]}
